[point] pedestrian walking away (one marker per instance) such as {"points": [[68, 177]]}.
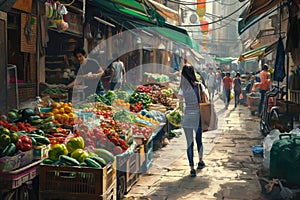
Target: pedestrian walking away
{"points": [[211, 84], [117, 75], [192, 120], [264, 85], [227, 82], [237, 89]]}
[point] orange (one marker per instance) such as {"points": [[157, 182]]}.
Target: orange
{"points": [[55, 105], [50, 113], [70, 104], [61, 110], [57, 116], [68, 109], [55, 111]]}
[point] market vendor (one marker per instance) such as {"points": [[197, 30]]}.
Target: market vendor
{"points": [[89, 74]]}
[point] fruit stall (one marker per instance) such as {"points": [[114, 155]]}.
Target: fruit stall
{"points": [[96, 149]]}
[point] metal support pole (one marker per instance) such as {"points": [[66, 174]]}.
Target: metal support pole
{"points": [[287, 75], [38, 71]]}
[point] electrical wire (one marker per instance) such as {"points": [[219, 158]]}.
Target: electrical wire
{"points": [[189, 3], [213, 22], [214, 28]]}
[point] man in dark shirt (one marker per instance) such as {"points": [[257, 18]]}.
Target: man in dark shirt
{"points": [[89, 73]]}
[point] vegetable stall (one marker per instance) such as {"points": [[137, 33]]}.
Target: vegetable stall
{"points": [[106, 141]]}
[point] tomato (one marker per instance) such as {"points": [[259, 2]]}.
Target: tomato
{"points": [[112, 122], [103, 124]]}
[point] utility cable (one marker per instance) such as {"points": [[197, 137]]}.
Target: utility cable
{"points": [[189, 3], [225, 17]]}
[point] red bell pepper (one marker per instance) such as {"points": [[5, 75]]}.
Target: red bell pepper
{"points": [[24, 143]]}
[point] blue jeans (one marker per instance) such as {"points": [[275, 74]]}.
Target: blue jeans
{"points": [[227, 97], [236, 98], [190, 143], [262, 98]]}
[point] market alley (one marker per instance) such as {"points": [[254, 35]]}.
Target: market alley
{"points": [[231, 167]]}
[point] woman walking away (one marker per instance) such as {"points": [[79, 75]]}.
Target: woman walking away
{"points": [[227, 82], [237, 89], [192, 120]]}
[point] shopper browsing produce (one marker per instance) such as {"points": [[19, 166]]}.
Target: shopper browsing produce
{"points": [[89, 73]]}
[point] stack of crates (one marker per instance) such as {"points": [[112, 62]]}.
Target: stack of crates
{"points": [[148, 153], [127, 166]]}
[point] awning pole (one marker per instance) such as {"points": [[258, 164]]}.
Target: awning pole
{"points": [[287, 75]]}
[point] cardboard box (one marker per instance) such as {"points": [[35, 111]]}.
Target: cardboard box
{"points": [[26, 158], [9, 163], [40, 152]]}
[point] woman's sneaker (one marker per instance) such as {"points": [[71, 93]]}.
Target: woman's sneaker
{"points": [[193, 173], [201, 165]]}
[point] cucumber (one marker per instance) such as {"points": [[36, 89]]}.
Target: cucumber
{"points": [[34, 143], [48, 161], [99, 160], [9, 150], [35, 117], [68, 160], [83, 164], [36, 122], [58, 162], [92, 163], [106, 155], [39, 138], [38, 132]]}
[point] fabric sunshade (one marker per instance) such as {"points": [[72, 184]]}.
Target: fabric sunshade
{"points": [[261, 51], [128, 9], [165, 11], [225, 60], [244, 25], [258, 7], [131, 11], [174, 33]]}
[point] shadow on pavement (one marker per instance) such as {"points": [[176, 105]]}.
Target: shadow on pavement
{"points": [[185, 187]]}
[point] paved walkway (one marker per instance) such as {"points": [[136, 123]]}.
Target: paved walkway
{"points": [[231, 171]]}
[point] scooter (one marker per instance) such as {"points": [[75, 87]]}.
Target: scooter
{"points": [[274, 118]]}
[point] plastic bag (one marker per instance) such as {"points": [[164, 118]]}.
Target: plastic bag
{"points": [[241, 96], [268, 143]]}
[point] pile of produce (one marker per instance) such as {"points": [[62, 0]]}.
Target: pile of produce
{"points": [[11, 142], [174, 118], [63, 113], [56, 90], [74, 154], [158, 97], [142, 97]]}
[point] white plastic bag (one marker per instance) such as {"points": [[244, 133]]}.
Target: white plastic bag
{"points": [[268, 143]]}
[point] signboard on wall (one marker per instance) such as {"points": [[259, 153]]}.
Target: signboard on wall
{"points": [[24, 5], [28, 33], [75, 23]]}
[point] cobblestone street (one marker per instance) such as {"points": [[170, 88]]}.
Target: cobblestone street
{"points": [[231, 167]]}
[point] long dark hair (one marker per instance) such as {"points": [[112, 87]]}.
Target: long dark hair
{"points": [[188, 76]]}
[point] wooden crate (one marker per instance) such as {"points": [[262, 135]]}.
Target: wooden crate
{"points": [[128, 168], [294, 96], [148, 154], [76, 183]]}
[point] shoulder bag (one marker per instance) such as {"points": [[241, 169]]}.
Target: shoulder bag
{"points": [[208, 115]]}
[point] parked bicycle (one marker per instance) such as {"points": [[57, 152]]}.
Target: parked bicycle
{"points": [[279, 116]]}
